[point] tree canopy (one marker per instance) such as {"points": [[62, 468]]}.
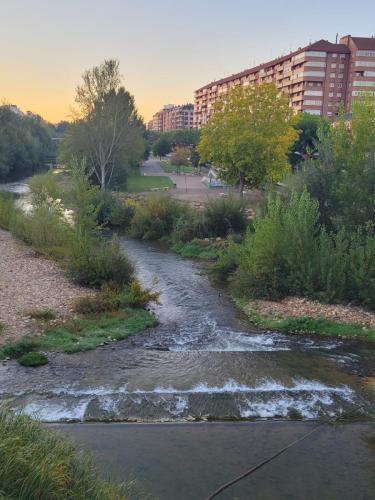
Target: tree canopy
{"points": [[161, 147], [25, 144], [107, 129], [249, 136]]}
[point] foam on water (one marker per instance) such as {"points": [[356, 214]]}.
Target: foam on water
{"points": [[267, 385], [55, 411]]}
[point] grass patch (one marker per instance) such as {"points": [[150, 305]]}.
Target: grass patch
{"points": [[36, 463], [174, 169], [136, 183], [42, 314], [304, 324], [84, 333], [33, 359], [197, 249]]}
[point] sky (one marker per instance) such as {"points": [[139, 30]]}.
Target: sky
{"points": [[166, 48]]}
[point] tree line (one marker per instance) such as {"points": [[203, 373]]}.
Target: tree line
{"points": [[25, 144]]}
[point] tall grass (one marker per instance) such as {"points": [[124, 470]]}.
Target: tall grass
{"points": [[290, 253], [38, 464], [160, 216]]}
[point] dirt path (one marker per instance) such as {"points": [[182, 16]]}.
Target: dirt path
{"points": [[29, 282]]}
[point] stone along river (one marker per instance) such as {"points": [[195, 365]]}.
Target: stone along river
{"points": [[202, 362]]}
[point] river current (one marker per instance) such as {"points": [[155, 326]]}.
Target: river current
{"points": [[202, 362]]}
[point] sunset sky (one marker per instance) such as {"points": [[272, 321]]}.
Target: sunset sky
{"points": [[166, 48]]}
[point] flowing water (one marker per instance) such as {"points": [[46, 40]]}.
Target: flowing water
{"points": [[202, 362]]}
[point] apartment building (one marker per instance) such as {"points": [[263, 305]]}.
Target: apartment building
{"points": [[173, 117], [317, 78]]}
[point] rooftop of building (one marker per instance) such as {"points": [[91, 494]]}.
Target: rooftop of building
{"points": [[319, 46], [364, 43]]}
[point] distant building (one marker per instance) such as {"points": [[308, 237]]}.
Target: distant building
{"points": [[172, 117], [317, 78]]}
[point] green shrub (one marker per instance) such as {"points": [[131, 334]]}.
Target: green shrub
{"points": [[113, 299], [224, 216], [33, 359], [190, 225], [112, 211], [17, 349], [43, 189], [36, 463], [198, 249], [45, 229], [41, 314], [289, 253], [226, 264], [155, 218], [104, 263], [7, 209]]}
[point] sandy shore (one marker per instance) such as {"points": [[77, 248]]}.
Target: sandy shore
{"points": [[30, 282]]}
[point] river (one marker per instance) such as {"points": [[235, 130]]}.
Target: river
{"points": [[203, 362]]}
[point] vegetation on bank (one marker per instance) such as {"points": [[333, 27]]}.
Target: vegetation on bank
{"points": [[305, 324], [74, 239], [162, 217], [36, 463], [25, 144]]}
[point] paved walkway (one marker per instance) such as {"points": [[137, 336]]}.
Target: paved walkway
{"points": [[190, 187]]}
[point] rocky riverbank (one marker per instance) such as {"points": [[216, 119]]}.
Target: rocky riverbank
{"points": [[30, 282]]}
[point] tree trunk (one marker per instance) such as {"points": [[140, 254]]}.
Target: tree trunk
{"points": [[242, 184], [102, 179]]}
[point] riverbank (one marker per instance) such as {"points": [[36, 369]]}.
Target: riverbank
{"points": [[38, 307], [304, 316], [31, 285]]}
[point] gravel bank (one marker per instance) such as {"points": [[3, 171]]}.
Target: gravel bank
{"points": [[297, 307], [29, 282]]}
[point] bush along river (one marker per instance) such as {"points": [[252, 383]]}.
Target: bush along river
{"points": [[202, 362]]}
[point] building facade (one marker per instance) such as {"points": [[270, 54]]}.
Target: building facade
{"points": [[317, 78], [172, 117]]}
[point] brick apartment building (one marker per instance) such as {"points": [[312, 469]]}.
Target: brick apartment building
{"points": [[172, 117], [317, 78]]}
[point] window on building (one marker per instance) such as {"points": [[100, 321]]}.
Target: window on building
{"points": [[314, 73], [331, 94], [362, 83], [369, 64], [341, 66], [311, 102], [313, 111], [333, 65], [334, 56], [331, 84], [341, 75], [366, 53], [333, 75]]}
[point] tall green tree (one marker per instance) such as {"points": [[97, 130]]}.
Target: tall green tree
{"points": [[249, 136], [25, 144], [107, 129], [307, 125], [161, 147]]}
